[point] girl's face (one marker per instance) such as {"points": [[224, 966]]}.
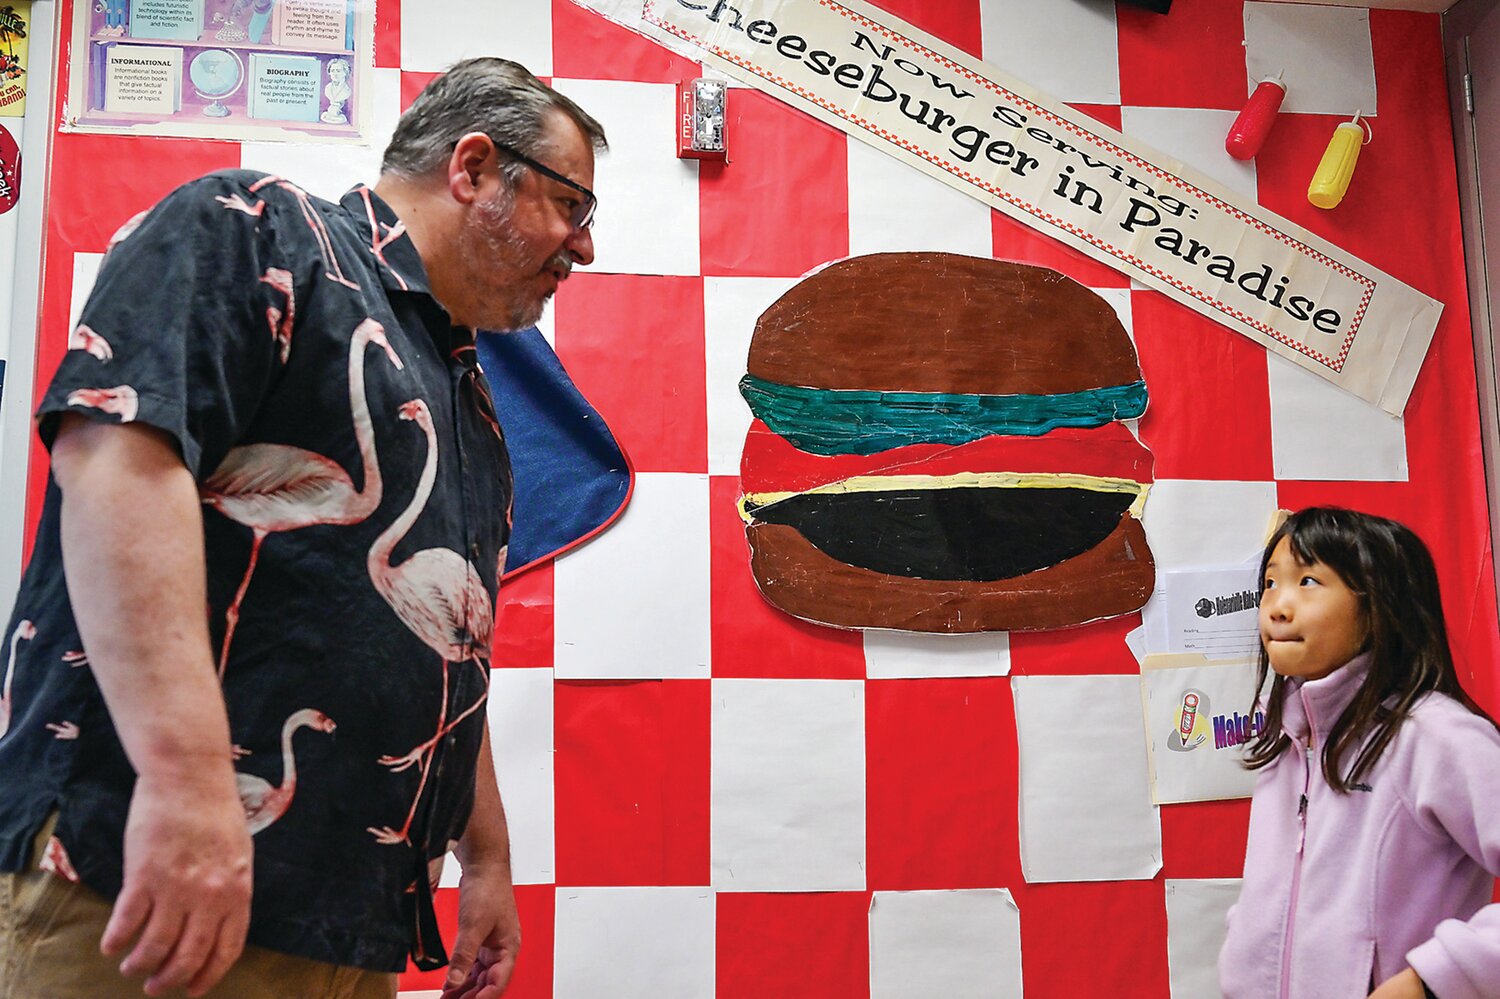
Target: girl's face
{"points": [[1311, 623]]}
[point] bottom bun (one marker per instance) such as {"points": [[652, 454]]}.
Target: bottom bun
{"points": [[1114, 577]]}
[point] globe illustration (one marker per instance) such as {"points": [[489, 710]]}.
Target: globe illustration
{"points": [[217, 73]]}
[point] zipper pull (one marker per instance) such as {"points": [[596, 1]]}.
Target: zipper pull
{"points": [[1301, 824]]}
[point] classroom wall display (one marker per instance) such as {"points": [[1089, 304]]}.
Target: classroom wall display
{"points": [[1029, 155], [938, 447], [611, 667], [294, 70], [15, 20]]}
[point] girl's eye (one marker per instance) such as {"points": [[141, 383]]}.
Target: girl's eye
{"points": [[1270, 584], [1309, 581]]}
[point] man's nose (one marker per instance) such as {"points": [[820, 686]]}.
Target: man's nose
{"points": [[581, 246]]}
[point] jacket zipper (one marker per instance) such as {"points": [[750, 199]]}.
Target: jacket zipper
{"points": [[1291, 915]]}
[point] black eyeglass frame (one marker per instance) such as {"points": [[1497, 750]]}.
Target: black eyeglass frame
{"points": [[583, 215]]}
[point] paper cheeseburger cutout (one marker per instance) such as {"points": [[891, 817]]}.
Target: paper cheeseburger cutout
{"points": [[938, 447]]}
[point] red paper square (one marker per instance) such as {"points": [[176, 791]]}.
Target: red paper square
{"points": [[750, 637], [533, 976], [634, 345], [388, 35], [1210, 411], [793, 946], [632, 782], [1204, 839], [1093, 938], [954, 21], [941, 787], [524, 618], [1191, 59], [781, 206], [1083, 651], [588, 46], [413, 84]]}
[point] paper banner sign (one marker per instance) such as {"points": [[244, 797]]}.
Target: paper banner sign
{"points": [[1200, 714], [1033, 158], [15, 24]]}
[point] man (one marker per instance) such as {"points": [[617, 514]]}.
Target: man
{"points": [[273, 401]]}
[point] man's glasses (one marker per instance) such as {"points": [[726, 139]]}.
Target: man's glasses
{"points": [[583, 212]]}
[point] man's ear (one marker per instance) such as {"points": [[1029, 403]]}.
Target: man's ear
{"points": [[473, 156]]}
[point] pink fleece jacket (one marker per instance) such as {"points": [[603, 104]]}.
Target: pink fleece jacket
{"points": [[1342, 891]]}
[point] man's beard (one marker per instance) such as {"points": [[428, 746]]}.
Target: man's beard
{"points": [[490, 241]]}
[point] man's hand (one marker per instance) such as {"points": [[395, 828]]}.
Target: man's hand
{"points": [[489, 934], [132, 539], [1403, 986], [186, 899]]}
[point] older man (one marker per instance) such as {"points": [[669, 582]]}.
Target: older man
{"points": [[271, 403]]}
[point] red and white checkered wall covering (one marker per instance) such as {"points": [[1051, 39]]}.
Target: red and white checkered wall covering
{"points": [[624, 676]]}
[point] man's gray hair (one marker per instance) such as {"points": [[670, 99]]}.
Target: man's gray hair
{"points": [[495, 96]]}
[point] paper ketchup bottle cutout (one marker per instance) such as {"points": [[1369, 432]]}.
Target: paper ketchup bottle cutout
{"points": [[10, 171], [1331, 180], [1249, 131]]}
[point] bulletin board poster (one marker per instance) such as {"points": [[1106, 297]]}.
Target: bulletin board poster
{"points": [[291, 70], [15, 26]]}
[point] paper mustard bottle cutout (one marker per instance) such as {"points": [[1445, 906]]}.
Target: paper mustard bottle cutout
{"points": [[938, 448], [1250, 128], [1331, 179]]}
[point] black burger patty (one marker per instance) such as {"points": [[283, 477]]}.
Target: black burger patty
{"points": [[967, 533]]}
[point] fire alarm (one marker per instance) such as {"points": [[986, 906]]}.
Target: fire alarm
{"points": [[701, 120]]}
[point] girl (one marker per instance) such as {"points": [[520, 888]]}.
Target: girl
{"points": [[1375, 824]]}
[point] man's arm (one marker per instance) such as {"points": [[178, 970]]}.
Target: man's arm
{"points": [[489, 928], [132, 538]]}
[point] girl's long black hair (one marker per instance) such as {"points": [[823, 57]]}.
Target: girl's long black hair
{"points": [[1391, 571]]}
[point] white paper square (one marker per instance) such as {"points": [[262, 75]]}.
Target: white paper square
{"points": [[788, 785], [1194, 522], [953, 944], [1086, 812], [85, 274], [898, 654], [520, 720], [435, 34], [648, 198], [1321, 432], [1323, 53], [1198, 721], [1196, 137], [633, 603], [329, 171], [1119, 300], [1066, 50], [896, 207], [731, 305], [634, 943], [1195, 934]]}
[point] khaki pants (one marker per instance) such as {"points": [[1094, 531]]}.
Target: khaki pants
{"points": [[49, 949]]}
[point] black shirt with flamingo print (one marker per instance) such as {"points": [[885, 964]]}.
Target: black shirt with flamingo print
{"points": [[356, 495]]}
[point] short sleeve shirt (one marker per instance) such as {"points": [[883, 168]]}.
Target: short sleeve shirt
{"points": [[355, 493]]}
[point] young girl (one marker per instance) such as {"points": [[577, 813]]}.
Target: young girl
{"points": [[1375, 825]]}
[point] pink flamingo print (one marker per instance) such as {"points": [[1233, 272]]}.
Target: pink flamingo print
{"points": [[314, 222], [85, 339], [281, 321], [265, 802], [75, 658], [119, 401], [55, 861], [127, 230], [65, 730], [235, 203], [276, 487], [439, 596], [27, 631]]}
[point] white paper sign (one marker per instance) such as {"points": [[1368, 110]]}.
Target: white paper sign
{"points": [[1198, 720], [1195, 934], [1065, 174], [1212, 611]]}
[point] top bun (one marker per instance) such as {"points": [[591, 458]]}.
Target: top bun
{"points": [[942, 323]]}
